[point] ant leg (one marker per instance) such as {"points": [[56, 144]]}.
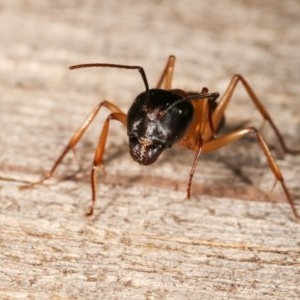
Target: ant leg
{"points": [[233, 136], [205, 114], [222, 105], [165, 80], [199, 150], [75, 139], [98, 159]]}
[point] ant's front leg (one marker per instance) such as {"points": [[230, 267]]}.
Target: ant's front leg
{"points": [[98, 159], [74, 140]]}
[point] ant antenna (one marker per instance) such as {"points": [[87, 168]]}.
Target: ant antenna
{"points": [[210, 96], [140, 69]]}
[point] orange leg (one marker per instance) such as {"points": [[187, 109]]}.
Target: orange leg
{"points": [[222, 105], [75, 139], [233, 136], [165, 80], [194, 165], [98, 159]]}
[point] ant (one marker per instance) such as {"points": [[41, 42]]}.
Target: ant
{"points": [[161, 117]]}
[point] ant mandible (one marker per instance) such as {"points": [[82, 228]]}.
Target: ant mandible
{"points": [[161, 117]]}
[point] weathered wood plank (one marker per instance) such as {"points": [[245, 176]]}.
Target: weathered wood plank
{"points": [[144, 241]]}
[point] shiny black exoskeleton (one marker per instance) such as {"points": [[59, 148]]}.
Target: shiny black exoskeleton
{"points": [[156, 121]]}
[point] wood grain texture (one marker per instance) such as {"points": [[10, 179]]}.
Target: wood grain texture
{"points": [[145, 240]]}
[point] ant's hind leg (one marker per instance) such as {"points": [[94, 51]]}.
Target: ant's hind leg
{"points": [[74, 140]]}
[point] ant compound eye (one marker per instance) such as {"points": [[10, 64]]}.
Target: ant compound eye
{"points": [[183, 110]]}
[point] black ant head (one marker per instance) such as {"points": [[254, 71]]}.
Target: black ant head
{"points": [[156, 120]]}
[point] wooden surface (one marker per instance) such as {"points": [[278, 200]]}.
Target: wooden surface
{"points": [[145, 241]]}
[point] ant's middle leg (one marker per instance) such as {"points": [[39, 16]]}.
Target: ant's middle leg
{"points": [[165, 80], [222, 105], [75, 139], [224, 140]]}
